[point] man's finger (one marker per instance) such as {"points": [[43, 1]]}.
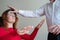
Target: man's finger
{"points": [[53, 27]]}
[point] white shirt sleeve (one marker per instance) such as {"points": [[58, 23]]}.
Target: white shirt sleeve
{"points": [[36, 13]]}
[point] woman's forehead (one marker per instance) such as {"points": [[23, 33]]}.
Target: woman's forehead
{"points": [[11, 13]]}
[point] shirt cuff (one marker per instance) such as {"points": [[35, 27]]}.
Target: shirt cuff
{"points": [[20, 12]]}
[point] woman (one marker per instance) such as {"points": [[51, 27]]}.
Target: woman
{"points": [[9, 32]]}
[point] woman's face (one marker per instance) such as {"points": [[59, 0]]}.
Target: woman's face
{"points": [[11, 17]]}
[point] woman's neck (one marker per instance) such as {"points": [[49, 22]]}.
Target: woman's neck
{"points": [[9, 25]]}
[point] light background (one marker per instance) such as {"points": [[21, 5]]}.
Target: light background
{"points": [[27, 5]]}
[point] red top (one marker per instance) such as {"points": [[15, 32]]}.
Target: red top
{"points": [[11, 34]]}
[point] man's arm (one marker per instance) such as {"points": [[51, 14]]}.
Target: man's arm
{"points": [[28, 13]]}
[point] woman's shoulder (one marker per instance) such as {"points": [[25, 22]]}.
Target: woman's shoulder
{"points": [[2, 31], [1, 28]]}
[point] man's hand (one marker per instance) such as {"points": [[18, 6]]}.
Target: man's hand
{"points": [[13, 8], [55, 29], [58, 31]]}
